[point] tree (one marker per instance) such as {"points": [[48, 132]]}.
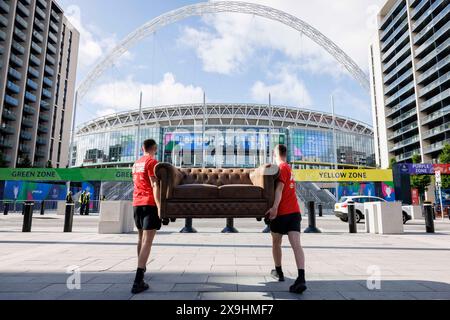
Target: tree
{"points": [[422, 182], [25, 163], [392, 163], [444, 158]]}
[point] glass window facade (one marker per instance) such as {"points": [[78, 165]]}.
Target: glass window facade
{"points": [[225, 147]]}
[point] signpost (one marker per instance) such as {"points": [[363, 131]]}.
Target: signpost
{"points": [[438, 176]]}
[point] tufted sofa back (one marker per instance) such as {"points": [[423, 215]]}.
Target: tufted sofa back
{"points": [[216, 177]]}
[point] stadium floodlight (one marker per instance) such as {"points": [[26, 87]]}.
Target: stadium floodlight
{"points": [[216, 7]]}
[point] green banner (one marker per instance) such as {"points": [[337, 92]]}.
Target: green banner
{"points": [[73, 175]]}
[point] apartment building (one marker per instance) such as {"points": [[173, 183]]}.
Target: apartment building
{"points": [[38, 62]]}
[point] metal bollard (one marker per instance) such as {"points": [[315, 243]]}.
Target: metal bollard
{"points": [[27, 216], [429, 220], [42, 208], [352, 217], [6, 209], [320, 206], [229, 228], [312, 219], [68, 219], [188, 227]]}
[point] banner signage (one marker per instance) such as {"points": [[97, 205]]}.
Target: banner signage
{"points": [[424, 169], [60, 175], [343, 175]]}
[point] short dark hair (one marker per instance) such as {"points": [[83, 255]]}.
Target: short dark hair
{"points": [[149, 144], [282, 150]]}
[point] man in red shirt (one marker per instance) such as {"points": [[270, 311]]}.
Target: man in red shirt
{"points": [[285, 219], [146, 213]]}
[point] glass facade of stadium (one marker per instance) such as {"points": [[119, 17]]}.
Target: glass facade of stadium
{"points": [[223, 147]]}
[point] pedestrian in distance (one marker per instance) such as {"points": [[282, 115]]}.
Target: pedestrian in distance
{"points": [[146, 212], [284, 219], [87, 202], [82, 202], [69, 197]]}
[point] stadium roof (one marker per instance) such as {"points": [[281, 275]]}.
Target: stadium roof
{"points": [[226, 115]]}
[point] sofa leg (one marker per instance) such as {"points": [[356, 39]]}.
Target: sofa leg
{"points": [[188, 227], [230, 227]]}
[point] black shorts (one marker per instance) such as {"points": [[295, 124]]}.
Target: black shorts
{"points": [[285, 224], [146, 218]]}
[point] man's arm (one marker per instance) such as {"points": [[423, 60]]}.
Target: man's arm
{"points": [[156, 191], [273, 212]]}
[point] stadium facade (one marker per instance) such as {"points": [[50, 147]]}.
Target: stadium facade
{"points": [[225, 135]]}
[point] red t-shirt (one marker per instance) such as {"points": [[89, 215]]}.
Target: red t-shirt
{"points": [[289, 202], [143, 169]]}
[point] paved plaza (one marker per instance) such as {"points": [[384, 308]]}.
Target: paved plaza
{"points": [[211, 265]]}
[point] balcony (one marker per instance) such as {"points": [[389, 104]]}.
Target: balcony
{"points": [[41, 13], [6, 129], [28, 110], [436, 115], [408, 76], [435, 100], [51, 60], [405, 143], [436, 131], [38, 36], [3, 21], [54, 26], [11, 86], [6, 144], [55, 16], [46, 93], [388, 30], [41, 141], [4, 7], [23, 9], [45, 106], [40, 154], [18, 48], [42, 3], [49, 71], [21, 22], [2, 35], [436, 147], [30, 97], [44, 117], [32, 71], [403, 104], [403, 117], [431, 41], [26, 136], [23, 148], [397, 59], [51, 48], [52, 37], [386, 45], [48, 82], [35, 60], [402, 131], [39, 24], [407, 155], [398, 71], [37, 49], [42, 129], [31, 84], [20, 34], [435, 84], [27, 122], [9, 115], [16, 61], [435, 20], [442, 64], [386, 19], [432, 55], [399, 94], [11, 101]]}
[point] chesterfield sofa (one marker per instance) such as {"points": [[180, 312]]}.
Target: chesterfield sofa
{"points": [[215, 193]]}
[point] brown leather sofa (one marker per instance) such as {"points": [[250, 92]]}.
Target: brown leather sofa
{"points": [[216, 193]]}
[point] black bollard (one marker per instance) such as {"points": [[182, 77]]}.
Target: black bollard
{"points": [[320, 210], [42, 208], [352, 217], [312, 219], [27, 213], [6, 209], [229, 228], [429, 220], [188, 227], [68, 219]]}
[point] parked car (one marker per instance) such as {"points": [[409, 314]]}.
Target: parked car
{"points": [[341, 208]]}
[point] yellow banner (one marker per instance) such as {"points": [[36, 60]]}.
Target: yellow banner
{"points": [[343, 175]]}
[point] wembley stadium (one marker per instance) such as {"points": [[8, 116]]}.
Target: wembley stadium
{"points": [[225, 135]]}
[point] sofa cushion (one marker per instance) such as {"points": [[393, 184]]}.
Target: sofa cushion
{"points": [[240, 191], [195, 191]]}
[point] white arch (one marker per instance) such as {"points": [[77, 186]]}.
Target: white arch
{"points": [[220, 7]]}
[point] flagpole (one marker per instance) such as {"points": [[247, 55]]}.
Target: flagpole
{"points": [[139, 128]]}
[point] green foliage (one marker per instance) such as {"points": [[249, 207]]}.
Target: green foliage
{"points": [[25, 163], [444, 158], [392, 163], [420, 183]]}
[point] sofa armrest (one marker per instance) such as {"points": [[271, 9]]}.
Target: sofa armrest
{"points": [[168, 178], [266, 177]]}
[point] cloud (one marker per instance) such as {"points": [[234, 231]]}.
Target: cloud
{"points": [[227, 42], [350, 105], [288, 90], [93, 42], [123, 95]]}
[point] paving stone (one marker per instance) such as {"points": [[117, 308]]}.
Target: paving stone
{"points": [[236, 296]]}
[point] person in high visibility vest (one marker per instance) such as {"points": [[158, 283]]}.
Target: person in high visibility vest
{"points": [[82, 202]]}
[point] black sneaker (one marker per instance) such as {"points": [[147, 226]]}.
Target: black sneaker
{"points": [[139, 287], [277, 276], [298, 287]]}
